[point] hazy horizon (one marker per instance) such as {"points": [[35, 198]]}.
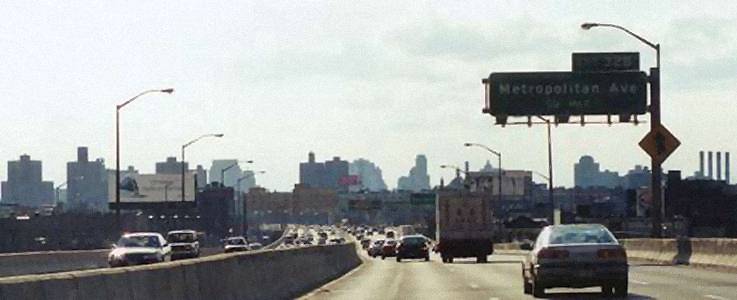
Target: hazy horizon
{"points": [[383, 81]]}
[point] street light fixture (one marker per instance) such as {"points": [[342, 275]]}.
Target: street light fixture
{"points": [[655, 180], [217, 135], [117, 146], [498, 155]]}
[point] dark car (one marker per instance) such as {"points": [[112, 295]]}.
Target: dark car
{"points": [[413, 246], [389, 249], [375, 249], [576, 256]]}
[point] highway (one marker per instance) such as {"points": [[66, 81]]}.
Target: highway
{"points": [[501, 279]]}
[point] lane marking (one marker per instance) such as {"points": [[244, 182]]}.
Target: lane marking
{"points": [[715, 297], [639, 282], [493, 298], [474, 286]]}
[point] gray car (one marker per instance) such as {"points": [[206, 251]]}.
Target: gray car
{"points": [[575, 256]]}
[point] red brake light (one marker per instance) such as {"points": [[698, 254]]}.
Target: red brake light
{"points": [[552, 254], [611, 253]]}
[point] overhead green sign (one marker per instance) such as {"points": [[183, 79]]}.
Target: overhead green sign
{"points": [[566, 93]]}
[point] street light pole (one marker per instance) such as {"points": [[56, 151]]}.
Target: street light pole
{"points": [[555, 218], [499, 156], [117, 148], [218, 135], [656, 178]]}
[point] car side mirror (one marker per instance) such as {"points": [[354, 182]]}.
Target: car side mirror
{"points": [[526, 246]]}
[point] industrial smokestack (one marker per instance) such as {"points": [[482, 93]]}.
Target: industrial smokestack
{"points": [[719, 165], [467, 167], [726, 167], [701, 164], [710, 166]]}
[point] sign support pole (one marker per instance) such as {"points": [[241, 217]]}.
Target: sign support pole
{"points": [[656, 179]]}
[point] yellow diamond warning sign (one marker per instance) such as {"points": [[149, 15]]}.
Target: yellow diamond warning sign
{"points": [[659, 143]]}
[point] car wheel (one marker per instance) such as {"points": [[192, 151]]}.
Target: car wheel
{"points": [[450, 259], [621, 289], [427, 258], [383, 257], [537, 290], [399, 259], [481, 259]]}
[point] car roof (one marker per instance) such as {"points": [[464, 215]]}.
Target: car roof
{"points": [[182, 231], [141, 234], [413, 236], [576, 226]]}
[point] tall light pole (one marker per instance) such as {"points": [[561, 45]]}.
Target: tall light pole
{"points": [[655, 180], [499, 156], [241, 203], [217, 135], [222, 171], [117, 147]]}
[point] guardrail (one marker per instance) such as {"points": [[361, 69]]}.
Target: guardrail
{"points": [[273, 274]]}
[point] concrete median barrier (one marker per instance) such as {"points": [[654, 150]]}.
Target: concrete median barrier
{"points": [[269, 274], [13, 264]]}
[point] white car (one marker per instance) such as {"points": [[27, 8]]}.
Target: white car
{"points": [[575, 256], [184, 244], [139, 248], [236, 244]]}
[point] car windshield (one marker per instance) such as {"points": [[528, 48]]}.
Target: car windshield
{"points": [[235, 242], [391, 242], [580, 235], [148, 241], [180, 237], [379, 242]]}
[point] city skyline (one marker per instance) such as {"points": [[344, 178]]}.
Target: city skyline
{"points": [[409, 71]]}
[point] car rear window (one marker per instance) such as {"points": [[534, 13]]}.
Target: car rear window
{"points": [[580, 235], [413, 241], [181, 237]]}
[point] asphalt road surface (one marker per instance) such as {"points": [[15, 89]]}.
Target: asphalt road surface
{"points": [[501, 279]]}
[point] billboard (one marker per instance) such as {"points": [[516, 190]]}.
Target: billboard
{"points": [[151, 188], [566, 93]]}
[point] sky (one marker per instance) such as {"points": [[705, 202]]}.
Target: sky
{"points": [[381, 80]]}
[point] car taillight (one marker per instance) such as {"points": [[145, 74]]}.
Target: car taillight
{"points": [[552, 254], [611, 253]]}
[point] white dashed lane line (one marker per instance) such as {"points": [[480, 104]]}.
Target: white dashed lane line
{"points": [[639, 282], [715, 297]]}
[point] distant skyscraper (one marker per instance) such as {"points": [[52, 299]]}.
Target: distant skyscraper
{"points": [[25, 185], [418, 179], [586, 173], [87, 184], [231, 175], [323, 175], [171, 166], [248, 182], [369, 174], [201, 178]]}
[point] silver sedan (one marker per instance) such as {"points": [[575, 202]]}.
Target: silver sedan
{"points": [[575, 256]]}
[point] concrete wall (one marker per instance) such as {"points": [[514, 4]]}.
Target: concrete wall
{"points": [[268, 274], [12, 264]]}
